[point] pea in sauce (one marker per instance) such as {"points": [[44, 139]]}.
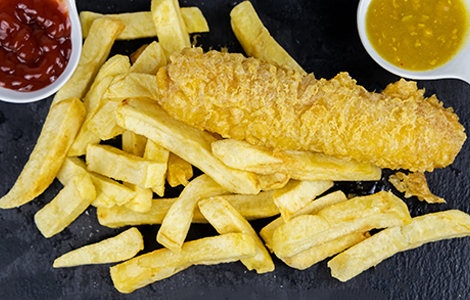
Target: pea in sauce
{"points": [[417, 35]]}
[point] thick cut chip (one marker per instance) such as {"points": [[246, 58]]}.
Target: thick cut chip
{"points": [[298, 194], [137, 145], [133, 143], [226, 219], [142, 202], [138, 24], [69, 203], [194, 20], [313, 208], [145, 117], [300, 165], [160, 264], [306, 165], [360, 214], [179, 171], [414, 184], [115, 163], [245, 156], [108, 192], [95, 51], [150, 60], [59, 130], [157, 153], [141, 25], [119, 248], [85, 136], [116, 65], [251, 207], [273, 181], [116, 216], [135, 55], [103, 123], [424, 229], [315, 254], [177, 221], [132, 85], [171, 30], [255, 38]]}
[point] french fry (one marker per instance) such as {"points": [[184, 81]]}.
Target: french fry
{"points": [[298, 194], [423, 229], [70, 167], [273, 181], [133, 143], [116, 216], [255, 38], [103, 123], [71, 201], [122, 247], [251, 207], [177, 221], [141, 25], [114, 66], [142, 202], [315, 254], [361, 214], [135, 55], [160, 264], [108, 192], [136, 144], [145, 117], [179, 171], [95, 51], [194, 19], [300, 165], [305, 165], [226, 219], [314, 207], [171, 30], [138, 25], [244, 156], [59, 130], [132, 85], [155, 152], [117, 64], [115, 163], [150, 60], [85, 136]]}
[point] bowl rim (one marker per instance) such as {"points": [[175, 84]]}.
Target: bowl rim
{"points": [[12, 96]]}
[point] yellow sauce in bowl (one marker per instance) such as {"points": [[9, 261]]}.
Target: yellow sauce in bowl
{"points": [[417, 35]]}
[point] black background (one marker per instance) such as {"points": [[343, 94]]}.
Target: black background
{"points": [[322, 37]]}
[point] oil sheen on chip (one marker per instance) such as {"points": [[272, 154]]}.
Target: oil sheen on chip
{"points": [[417, 35]]}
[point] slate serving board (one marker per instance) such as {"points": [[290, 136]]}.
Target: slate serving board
{"points": [[322, 37]]}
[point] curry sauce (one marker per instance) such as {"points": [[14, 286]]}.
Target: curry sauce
{"points": [[417, 35]]}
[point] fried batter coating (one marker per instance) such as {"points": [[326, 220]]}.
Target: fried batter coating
{"points": [[264, 104], [414, 184]]}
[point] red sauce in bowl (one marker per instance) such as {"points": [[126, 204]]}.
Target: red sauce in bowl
{"points": [[35, 43]]}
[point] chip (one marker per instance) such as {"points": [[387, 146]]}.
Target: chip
{"points": [[59, 130], [119, 248], [160, 264]]}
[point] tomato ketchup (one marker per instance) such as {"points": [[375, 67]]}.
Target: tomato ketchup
{"points": [[35, 43]]}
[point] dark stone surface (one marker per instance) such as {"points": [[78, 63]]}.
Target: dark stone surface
{"points": [[322, 36]]}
